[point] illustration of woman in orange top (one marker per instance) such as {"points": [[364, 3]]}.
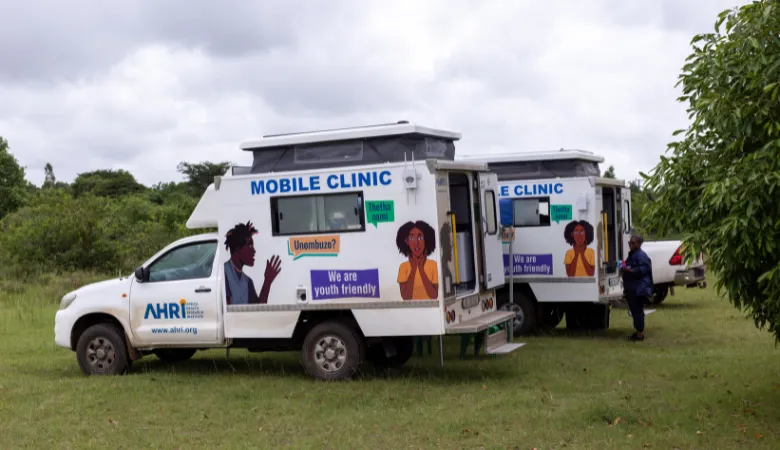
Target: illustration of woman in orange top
{"points": [[418, 277], [580, 261]]}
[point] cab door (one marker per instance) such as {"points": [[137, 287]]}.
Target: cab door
{"points": [[177, 301], [493, 249]]}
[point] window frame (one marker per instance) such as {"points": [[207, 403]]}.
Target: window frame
{"points": [[149, 266], [540, 199], [495, 212], [274, 204]]}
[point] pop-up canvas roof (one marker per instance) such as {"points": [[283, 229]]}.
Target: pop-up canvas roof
{"points": [[375, 144], [540, 164]]}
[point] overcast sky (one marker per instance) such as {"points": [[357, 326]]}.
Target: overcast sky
{"points": [[146, 84]]}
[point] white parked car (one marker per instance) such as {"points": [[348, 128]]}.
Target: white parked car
{"points": [[670, 270]]}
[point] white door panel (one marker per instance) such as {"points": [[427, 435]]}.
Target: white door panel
{"points": [[178, 304], [493, 257]]}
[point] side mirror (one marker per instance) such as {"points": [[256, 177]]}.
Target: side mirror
{"points": [[141, 275]]}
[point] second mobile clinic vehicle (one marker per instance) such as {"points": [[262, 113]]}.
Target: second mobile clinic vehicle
{"points": [[342, 244], [567, 229]]}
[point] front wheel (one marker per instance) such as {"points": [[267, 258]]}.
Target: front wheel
{"points": [[332, 351], [101, 350]]}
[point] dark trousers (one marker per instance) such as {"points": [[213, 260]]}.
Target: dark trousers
{"points": [[636, 304]]}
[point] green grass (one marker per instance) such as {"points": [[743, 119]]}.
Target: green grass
{"points": [[705, 378]]}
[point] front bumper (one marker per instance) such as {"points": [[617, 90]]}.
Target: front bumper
{"points": [[63, 324], [689, 276]]}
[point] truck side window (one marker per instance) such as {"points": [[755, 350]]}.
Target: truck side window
{"points": [[532, 212], [490, 212], [312, 214], [187, 262]]}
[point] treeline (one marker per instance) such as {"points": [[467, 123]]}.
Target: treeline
{"points": [[103, 221], [106, 221]]}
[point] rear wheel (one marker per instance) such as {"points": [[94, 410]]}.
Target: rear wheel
{"points": [[525, 319], [659, 295], [174, 354], [332, 351], [101, 350], [404, 349]]}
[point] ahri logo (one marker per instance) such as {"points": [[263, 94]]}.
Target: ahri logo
{"points": [[170, 310]]}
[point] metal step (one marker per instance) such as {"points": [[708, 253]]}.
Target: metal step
{"points": [[504, 349], [481, 323], [496, 340]]}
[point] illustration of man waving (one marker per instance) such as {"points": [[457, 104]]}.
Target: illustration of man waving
{"points": [[239, 288]]}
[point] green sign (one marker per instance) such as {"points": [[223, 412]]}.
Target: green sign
{"points": [[560, 212], [380, 211]]}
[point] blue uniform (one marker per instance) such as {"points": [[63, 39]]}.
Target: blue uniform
{"points": [[638, 285], [638, 282]]}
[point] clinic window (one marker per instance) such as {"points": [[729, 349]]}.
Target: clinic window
{"points": [[531, 212], [313, 214], [490, 212]]}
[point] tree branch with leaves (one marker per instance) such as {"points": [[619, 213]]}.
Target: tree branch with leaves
{"points": [[720, 183]]}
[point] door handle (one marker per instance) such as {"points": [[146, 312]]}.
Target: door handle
{"points": [[203, 289]]}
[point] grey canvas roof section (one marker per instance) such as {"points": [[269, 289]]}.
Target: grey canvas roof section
{"points": [[538, 165], [348, 134], [350, 147]]}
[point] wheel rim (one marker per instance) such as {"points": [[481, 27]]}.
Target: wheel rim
{"points": [[519, 318], [101, 354], [330, 354]]}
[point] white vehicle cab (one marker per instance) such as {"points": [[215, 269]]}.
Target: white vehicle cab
{"points": [[566, 229], [341, 244]]}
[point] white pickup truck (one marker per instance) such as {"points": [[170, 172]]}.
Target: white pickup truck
{"points": [[670, 270]]}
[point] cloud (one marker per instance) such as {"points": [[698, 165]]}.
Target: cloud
{"points": [[145, 85]]}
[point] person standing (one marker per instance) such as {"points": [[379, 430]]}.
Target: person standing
{"points": [[637, 284]]}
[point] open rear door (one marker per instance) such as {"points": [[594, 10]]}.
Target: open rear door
{"points": [[627, 221], [493, 253]]}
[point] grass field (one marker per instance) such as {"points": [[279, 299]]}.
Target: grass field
{"points": [[705, 378]]}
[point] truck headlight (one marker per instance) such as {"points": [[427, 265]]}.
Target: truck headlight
{"points": [[67, 299]]}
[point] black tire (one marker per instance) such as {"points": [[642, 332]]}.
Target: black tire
{"points": [[525, 320], [404, 349], [102, 350], [600, 317], [659, 295], [174, 354], [346, 346]]}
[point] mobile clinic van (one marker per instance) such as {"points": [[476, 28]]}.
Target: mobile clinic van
{"points": [[567, 227], [342, 244]]}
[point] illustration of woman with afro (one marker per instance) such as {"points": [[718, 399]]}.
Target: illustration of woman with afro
{"points": [[580, 260], [418, 277]]}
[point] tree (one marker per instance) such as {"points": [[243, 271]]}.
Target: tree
{"points": [[106, 183], [720, 185], [610, 172], [49, 178], [13, 186], [200, 175]]}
